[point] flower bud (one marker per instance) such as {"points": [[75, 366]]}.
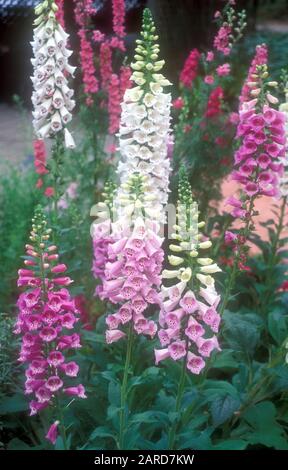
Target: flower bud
{"points": [[175, 260], [205, 245]]}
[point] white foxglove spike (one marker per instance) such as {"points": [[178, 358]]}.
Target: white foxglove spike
{"points": [[51, 97], [145, 125]]}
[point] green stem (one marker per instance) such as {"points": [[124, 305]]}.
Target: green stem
{"points": [[61, 423], [57, 152], [220, 240], [234, 272], [123, 398], [272, 258], [43, 277], [180, 392], [278, 231], [229, 287], [253, 397]]}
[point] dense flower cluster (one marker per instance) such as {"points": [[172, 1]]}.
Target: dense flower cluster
{"points": [[89, 7], [113, 84], [125, 82], [259, 159], [101, 242], [222, 40], [129, 263], [129, 259], [190, 69], [90, 82], [52, 97], [101, 234], [223, 70], [145, 119], [119, 17], [132, 276], [178, 103], [284, 181], [284, 178], [105, 64], [46, 319], [40, 165], [260, 58], [188, 318], [114, 107], [231, 26], [40, 159], [214, 104]]}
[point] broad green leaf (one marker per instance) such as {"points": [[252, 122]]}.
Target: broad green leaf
{"points": [[280, 377], [13, 404], [222, 408], [200, 441], [150, 417], [165, 402], [131, 437], [231, 444], [242, 331], [224, 360], [215, 388], [101, 431], [114, 393], [17, 444], [277, 325], [265, 428]]}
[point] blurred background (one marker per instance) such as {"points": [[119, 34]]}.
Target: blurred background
{"points": [[184, 24]]}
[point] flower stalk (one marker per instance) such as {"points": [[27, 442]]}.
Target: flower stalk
{"points": [[258, 160], [124, 392], [47, 314]]}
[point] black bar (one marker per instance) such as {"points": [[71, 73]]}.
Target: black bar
{"points": [[125, 459]]}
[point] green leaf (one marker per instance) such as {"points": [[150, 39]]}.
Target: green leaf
{"points": [[223, 408], [200, 441], [131, 437], [59, 444], [231, 444], [281, 378], [102, 432], [242, 331], [224, 360], [240, 380], [17, 444], [134, 381], [216, 388], [13, 404], [109, 375], [165, 402], [265, 429], [150, 417], [114, 394], [113, 412], [277, 325]]}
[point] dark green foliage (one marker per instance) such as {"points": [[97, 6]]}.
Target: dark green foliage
{"points": [[17, 201]]}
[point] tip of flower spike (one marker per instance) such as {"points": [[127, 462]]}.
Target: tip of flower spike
{"points": [[38, 212], [184, 187], [148, 27], [147, 15]]}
